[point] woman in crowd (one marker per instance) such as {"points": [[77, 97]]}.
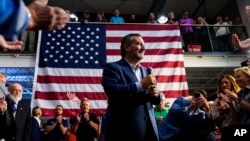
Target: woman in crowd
{"points": [[242, 77], [224, 110]]}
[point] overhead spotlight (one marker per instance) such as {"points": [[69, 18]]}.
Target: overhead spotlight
{"points": [[73, 17], [162, 19]]}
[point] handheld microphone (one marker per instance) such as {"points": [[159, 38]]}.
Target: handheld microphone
{"points": [[149, 70]]}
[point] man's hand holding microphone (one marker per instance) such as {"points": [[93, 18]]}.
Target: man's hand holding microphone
{"points": [[149, 82]]}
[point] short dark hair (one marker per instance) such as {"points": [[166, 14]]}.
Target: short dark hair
{"points": [[59, 106], [203, 92], [34, 111], [84, 99], [127, 40]]}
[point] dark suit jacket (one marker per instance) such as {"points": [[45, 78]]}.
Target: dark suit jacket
{"points": [[35, 130], [128, 111], [23, 121], [20, 127]]}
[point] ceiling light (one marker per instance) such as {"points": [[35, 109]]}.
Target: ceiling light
{"points": [[73, 17], [162, 19]]}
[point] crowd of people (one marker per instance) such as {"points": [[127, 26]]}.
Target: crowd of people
{"points": [[193, 31], [20, 123], [57, 18]]}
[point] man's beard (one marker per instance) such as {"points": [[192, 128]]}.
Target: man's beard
{"points": [[16, 99], [137, 56]]}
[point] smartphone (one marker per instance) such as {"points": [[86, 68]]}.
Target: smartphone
{"points": [[196, 95]]}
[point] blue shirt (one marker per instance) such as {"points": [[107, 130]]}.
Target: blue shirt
{"points": [[116, 19], [14, 18], [174, 121]]}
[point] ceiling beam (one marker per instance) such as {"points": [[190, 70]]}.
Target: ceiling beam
{"points": [[156, 7], [201, 2]]}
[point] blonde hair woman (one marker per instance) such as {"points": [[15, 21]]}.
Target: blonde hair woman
{"points": [[242, 76]]}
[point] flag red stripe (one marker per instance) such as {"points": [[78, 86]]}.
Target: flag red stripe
{"points": [[63, 95], [149, 51], [51, 112], [171, 78], [174, 94], [68, 79], [165, 64], [148, 39]]}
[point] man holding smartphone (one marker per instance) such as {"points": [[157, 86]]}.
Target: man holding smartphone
{"points": [[188, 119]]}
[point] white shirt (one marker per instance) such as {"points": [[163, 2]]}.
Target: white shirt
{"points": [[222, 29]]}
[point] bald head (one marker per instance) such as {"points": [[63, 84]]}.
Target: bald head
{"points": [[16, 92]]}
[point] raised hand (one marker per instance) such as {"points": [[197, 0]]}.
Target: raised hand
{"points": [[46, 17], [3, 105], [72, 96], [10, 45]]}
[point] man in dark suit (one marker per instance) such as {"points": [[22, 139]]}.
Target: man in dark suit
{"points": [[16, 120], [131, 91], [36, 134]]}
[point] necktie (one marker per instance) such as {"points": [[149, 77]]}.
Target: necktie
{"points": [[14, 107]]}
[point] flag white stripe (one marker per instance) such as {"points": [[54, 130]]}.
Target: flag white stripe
{"points": [[143, 33], [152, 58], [69, 87], [169, 71], [150, 45], [98, 72], [69, 72], [176, 86], [68, 104]]}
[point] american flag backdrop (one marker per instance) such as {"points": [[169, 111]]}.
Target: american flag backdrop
{"points": [[71, 60]]}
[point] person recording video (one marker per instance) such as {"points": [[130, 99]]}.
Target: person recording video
{"points": [[189, 119]]}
